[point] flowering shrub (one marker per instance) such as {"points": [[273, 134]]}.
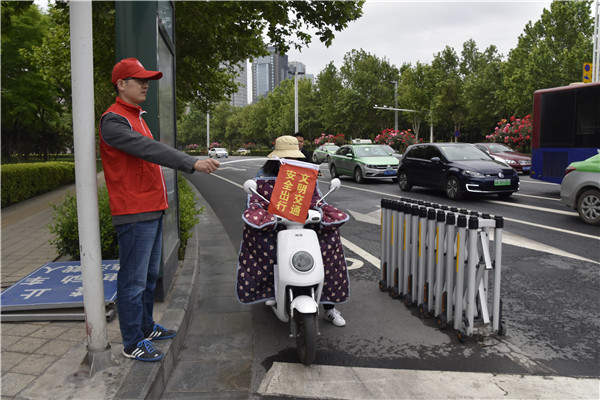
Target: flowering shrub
{"points": [[249, 146], [338, 139], [192, 146], [399, 141], [516, 133], [214, 144]]}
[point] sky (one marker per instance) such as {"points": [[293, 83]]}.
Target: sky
{"points": [[403, 31]]}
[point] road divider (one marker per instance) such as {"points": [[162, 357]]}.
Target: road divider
{"points": [[439, 259]]}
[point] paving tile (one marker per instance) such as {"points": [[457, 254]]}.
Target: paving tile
{"points": [[10, 359], [24, 329], [13, 383], [49, 332], [55, 348], [35, 364], [27, 345], [9, 340]]}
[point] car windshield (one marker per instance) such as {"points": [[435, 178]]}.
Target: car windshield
{"points": [[499, 148], [370, 151], [388, 149], [462, 153]]}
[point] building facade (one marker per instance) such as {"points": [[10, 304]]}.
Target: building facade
{"points": [[240, 99], [267, 73]]}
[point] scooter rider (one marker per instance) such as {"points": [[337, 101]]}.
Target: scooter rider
{"points": [[255, 281]]}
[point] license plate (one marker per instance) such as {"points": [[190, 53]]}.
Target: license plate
{"points": [[501, 182], [389, 172], [526, 168]]}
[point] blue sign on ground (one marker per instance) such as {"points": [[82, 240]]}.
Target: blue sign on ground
{"points": [[56, 285]]}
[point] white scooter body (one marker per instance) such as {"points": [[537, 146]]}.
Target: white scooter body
{"points": [[299, 276], [290, 282]]}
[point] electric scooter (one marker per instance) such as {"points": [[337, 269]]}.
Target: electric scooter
{"points": [[299, 276]]}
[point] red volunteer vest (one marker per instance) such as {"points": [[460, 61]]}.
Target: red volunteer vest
{"points": [[134, 185]]}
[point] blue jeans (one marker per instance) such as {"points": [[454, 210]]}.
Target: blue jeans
{"points": [[140, 245]]}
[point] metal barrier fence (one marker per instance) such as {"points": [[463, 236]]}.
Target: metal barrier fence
{"points": [[438, 259]]}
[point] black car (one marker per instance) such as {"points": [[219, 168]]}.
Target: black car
{"points": [[457, 169]]}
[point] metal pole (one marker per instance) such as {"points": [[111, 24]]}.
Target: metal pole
{"points": [[84, 138], [296, 99], [207, 131], [396, 105], [596, 49]]}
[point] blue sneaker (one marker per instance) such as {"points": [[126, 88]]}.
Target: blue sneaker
{"points": [[159, 332], [144, 351]]}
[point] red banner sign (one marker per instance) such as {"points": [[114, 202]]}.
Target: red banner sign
{"points": [[293, 191]]}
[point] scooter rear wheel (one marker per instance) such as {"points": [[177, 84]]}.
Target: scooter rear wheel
{"points": [[306, 339]]}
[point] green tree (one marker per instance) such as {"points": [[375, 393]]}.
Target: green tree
{"points": [[549, 53], [367, 81], [30, 109], [215, 36], [415, 92], [482, 83], [448, 109], [328, 100]]}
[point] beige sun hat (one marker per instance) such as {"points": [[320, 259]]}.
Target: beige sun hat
{"points": [[286, 147]]}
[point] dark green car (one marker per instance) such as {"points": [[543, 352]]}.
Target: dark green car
{"points": [[363, 161]]}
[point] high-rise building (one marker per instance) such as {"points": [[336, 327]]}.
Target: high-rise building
{"points": [[267, 73], [240, 99]]}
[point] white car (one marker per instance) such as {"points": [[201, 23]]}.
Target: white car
{"points": [[242, 152], [218, 152]]}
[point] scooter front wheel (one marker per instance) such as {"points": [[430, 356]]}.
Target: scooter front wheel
{"points": [[306, 338]]}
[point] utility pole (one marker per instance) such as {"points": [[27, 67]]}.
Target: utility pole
{"points": [[84, 138], [396, 105]]}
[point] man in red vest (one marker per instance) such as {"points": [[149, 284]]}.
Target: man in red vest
{"points": [[132, 160]]}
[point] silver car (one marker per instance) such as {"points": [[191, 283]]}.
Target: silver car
{"points": [[580, 189], [218, 152]]}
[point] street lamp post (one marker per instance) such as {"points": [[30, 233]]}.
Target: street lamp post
{"points": [[296, 129], [396, 105]]}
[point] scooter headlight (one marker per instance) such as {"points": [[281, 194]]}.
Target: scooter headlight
{"points": [[303, 261]]}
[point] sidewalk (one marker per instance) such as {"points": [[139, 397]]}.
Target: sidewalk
{"points": [[43, 360]]}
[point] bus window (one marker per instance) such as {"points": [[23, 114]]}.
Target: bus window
{"points": [[588, 120], [566, 128]]}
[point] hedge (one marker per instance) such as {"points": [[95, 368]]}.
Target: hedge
{"points": [[65, 225], [24, 181]]}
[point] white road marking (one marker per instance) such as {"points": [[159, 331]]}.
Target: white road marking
{"points": [[535, 197], [536, 208], [585, 235], [353, 263], [374, 261]]}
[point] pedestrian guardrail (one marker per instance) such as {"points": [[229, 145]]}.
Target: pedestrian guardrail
{"points": [[439, 259]]}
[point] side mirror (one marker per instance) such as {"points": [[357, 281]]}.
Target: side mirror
{"points": [[250, 186], [436, 160], [335, 184]]}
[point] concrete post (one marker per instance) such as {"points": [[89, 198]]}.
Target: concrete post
{"points": [[82, 79]]}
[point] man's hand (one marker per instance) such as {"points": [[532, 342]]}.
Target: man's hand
{"points": [[207, 166]]}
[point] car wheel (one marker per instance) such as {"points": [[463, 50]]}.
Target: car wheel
{"points": [[358, 175], [452, 188], [333, 171], [588, 206], [403, 181]]}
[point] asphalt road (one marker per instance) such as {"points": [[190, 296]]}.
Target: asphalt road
{"points": [[550, 286]]}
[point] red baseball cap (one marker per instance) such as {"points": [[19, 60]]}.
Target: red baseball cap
{"points": [[132, 67]]}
